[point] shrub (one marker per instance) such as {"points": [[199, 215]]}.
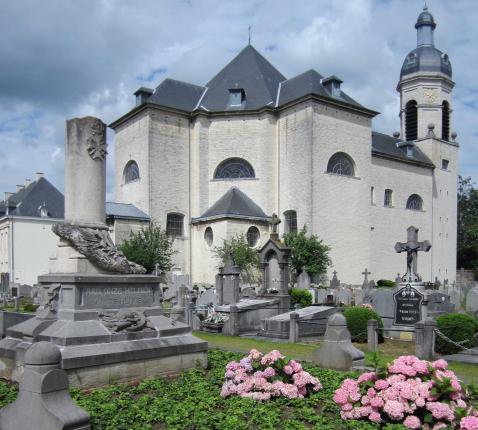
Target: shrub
{"points": [[149, 247], [357, 317], [457, 327], [30, 307], [245, 257], [262, 377], [307, 252], [414, 392], [303, 297], [385, 283]]}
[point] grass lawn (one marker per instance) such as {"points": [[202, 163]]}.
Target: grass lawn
{"points": [[389, 350]]}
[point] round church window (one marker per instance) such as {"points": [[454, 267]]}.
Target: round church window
{"points": [[253, 236], [209, 236]]}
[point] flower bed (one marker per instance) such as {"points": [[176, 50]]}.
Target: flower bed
{"points": [[262, 377], [417, 393]]}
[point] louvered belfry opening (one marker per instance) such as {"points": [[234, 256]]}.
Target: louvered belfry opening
{"points": [[411, 120], [445, 121]]}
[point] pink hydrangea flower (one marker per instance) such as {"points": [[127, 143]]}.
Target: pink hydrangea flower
{"points": [[412, 422], [469, 423]]}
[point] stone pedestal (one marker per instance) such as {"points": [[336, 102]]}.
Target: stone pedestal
{"points": [[110, 328]]}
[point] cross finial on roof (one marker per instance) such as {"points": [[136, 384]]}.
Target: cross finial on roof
{"points": [[250, 34], [425, 6]]}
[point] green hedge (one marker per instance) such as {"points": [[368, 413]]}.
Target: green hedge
{"points": [[385, 283], [357, 318], [303, 297], [457, 327]]}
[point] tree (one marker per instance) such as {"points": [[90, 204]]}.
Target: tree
{"points": [[467, 228], [150, 246], [307, 251], [244, 256]]}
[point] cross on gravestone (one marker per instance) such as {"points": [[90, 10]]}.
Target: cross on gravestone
{"points": [[412, 246], [274, 222], [365, 273], [334, 282]]}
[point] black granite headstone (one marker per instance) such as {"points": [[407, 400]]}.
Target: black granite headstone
{"points": [[408, 306]]}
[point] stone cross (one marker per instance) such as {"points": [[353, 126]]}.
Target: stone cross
{"points": [[412, 246], [365, 273], [275, 221]]}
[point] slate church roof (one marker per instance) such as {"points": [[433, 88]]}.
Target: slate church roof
{"points": [[394, 148], [234, 204], [262, 84]]}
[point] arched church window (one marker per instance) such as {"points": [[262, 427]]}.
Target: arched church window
{"points": [[341, 164], [290, 221], [411, 120], [445, 121], [131, 172], [234, 168], [253, 236], [175, 225], [209, 236], [415, 202]]}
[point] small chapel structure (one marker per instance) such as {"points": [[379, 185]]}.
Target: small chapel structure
{"points": [[209, 162]]}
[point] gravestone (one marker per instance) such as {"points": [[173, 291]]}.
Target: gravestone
{"points": [[227, 283], [358, 296], [336, 350], [208, 297], [472, 300], [365, 283], [321, 296], [343, 297], [382, 301], [408, 306], [334, 282], [102, 309], [439, 303], [410, 297], [312, 322], [303, 280]]}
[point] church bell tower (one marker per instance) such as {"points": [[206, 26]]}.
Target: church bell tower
{"points": [[425, 86]]}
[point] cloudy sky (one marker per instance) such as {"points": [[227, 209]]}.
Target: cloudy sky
{"points": [[65, 58]]}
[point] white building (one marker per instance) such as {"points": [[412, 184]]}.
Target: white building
{"points": [[26, 239], [212, 161]]}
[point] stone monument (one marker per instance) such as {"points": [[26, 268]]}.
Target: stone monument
{"points": [[102, 309], [410, 297], [336, 350]]}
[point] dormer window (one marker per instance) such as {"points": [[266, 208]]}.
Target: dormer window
{"points": [[332, 85], [236, 97]]}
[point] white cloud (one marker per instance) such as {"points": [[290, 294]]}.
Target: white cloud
{"points": [[69, 58]]}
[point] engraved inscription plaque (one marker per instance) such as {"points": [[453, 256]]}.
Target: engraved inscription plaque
{"points": [[116, 297], [408, 306]]}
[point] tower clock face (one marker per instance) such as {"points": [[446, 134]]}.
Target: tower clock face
{"points": [[430, 95]]}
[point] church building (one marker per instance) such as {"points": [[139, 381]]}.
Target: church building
{"points": [[209, 162]]}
